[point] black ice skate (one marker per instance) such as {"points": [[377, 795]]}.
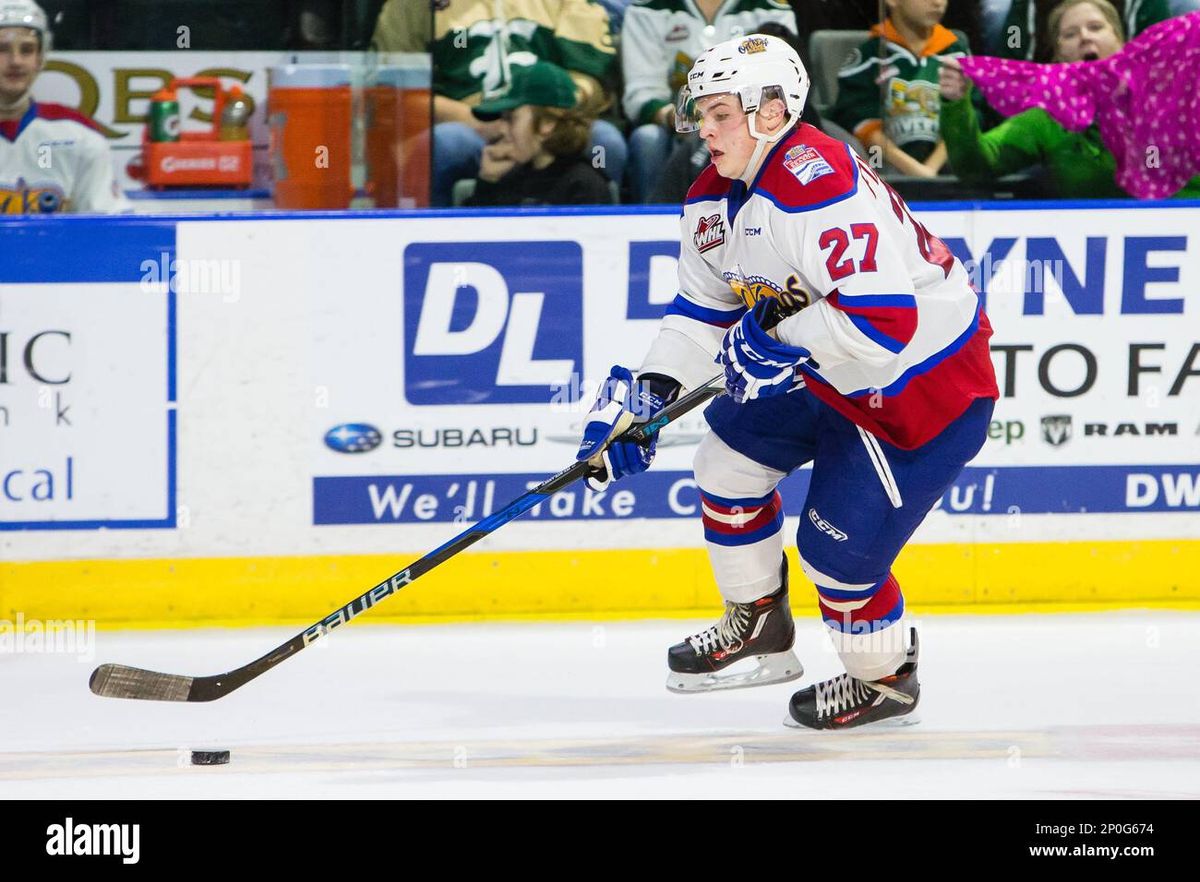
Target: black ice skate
{"points": [[846, 702], [762, 631]]}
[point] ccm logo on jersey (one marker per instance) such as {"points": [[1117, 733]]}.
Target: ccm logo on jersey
{"points": [[806, 164], [710, 232], [491, 322], [825, 527]]}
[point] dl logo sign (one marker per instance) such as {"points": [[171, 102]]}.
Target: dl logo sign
{"points": [[491, 322]]}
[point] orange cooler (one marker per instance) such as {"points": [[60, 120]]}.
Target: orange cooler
{"points": [[309, 108], [399, 118]]}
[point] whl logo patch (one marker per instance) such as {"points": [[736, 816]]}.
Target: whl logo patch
{"points": [[710, 232]]}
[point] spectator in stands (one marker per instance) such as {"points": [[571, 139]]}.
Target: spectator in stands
{"points": [[247, 25], [52, 158], [965, 16], [690, 155], [888, 87], [616, 13], [659, 41], [474, 57], [1078, 163], [1026, 20], [539, 158]]}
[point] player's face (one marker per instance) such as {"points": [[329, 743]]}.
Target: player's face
{"points": [[1084, 34], [724, 130], [20, 60]]}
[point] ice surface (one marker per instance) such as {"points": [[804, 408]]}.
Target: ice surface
{"points": [[1096, 705]]}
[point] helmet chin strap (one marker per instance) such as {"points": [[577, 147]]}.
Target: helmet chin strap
{"points": [[751, 169]]}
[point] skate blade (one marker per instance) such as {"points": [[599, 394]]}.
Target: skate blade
{"points": [[903, 722], [779, 667]]}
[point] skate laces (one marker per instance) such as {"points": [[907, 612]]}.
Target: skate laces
{"points": [[725, 633], [844, 692]]}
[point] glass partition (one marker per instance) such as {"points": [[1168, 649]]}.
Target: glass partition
{"points": [[384, 104]]}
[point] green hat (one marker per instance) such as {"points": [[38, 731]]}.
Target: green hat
{"points": [[541, 83]]}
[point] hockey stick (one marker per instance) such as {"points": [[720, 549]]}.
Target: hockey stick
{"points": [[122, 681]]}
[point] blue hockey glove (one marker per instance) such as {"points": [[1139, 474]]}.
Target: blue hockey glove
{"points": [[756, 364], [621, 404]]}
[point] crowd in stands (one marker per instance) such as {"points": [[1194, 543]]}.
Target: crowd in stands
{"points": [[1075, 164], [572, 101], [900, 96]]}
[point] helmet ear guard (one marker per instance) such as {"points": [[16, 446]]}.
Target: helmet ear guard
{"points": [[747, 67], [768, 93], [688, 117]]}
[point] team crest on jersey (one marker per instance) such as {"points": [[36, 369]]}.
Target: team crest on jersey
{"points": [[806, 164], [750, 289], [795, 296], [710, 232], [753, 45], [20, 198], [792, 297]]}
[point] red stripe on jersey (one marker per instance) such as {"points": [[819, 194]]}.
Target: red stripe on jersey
{"points": [[837, 178], [58, 111], [930, 401], [897, 322], [710, 185]]}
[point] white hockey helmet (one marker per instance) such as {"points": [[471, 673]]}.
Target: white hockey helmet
{"points": [[745, 67], [26, 14]]}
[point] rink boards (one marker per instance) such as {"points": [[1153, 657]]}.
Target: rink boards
{"points": [[254, 418]]}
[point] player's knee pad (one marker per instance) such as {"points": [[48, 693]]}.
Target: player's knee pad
{"points": [[722, 471], [824, 566], [829, 556]]}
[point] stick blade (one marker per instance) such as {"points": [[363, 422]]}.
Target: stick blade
{"points": [[121, 681]]}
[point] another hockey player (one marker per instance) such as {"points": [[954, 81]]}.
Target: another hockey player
{"points": [[878, 373], [52, 158]]}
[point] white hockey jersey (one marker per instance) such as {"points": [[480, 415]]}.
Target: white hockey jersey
{"points": [[897, 334], [54, 159], [660, 40]]}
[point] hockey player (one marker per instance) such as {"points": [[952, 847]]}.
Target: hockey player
{"points": [[52, 158], [879, 375]]}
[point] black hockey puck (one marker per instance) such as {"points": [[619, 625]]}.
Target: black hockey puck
{"points": [[210, 757]]}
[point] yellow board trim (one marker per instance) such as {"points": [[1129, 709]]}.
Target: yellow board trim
{"points": [[579, 585]]}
